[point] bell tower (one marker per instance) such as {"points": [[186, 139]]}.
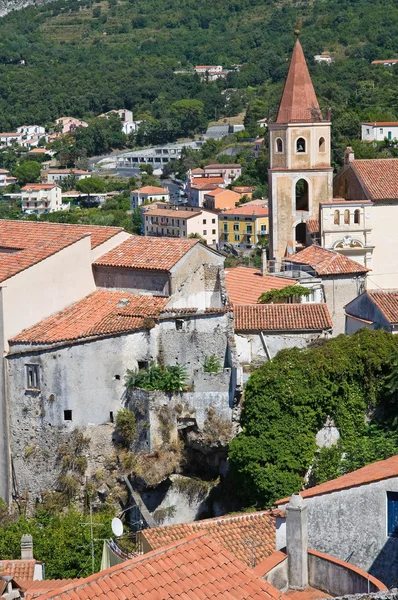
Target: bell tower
{"points": [[300, 176]]}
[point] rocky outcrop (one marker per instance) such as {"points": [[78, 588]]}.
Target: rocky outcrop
{"points": [[7, 6]]}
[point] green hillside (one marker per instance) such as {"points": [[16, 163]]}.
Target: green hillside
{"points": [[82, 58]]}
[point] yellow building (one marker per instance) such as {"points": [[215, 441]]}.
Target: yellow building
{"points": [[242, 226]]}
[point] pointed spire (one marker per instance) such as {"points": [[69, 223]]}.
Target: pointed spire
{"points": [[299, 102]]}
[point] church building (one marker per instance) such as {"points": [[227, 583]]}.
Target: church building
{"points": [[300, 177]]}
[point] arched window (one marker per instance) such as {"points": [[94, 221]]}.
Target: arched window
{"points": [[300, 145], [279, 145], [337, 217], [302, 201], [346, 217], [322, 144], [301, 232], [357, 217]]}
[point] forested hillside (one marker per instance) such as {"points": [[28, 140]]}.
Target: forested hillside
{"points": [[82, 58]]}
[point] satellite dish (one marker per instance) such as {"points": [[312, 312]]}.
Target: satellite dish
{"points": [[117, 527]]}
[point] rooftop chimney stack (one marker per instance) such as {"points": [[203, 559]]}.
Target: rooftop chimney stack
{"points": [[297, 543], [26, 547], [349, 155], [264, 269]]}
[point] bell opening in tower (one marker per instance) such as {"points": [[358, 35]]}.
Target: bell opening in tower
{"points": [[301, 232], [302, 195]]}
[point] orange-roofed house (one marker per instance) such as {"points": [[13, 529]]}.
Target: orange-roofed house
{"points": [[355, 518], [374, 309], [42, 198], [374, 181], [243, 226], [341, 278], [221, 199], [147, 194]]}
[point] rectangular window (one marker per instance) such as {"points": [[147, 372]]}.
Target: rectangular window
{"points": [[32, 377], [225, 226], [381, 130], [249, 229], [236, 226], [236, 218], [225, 237], [389, 135], [392, 514], [263, 229], [67, 415], [205, 232], [237, 237], [204, 221], [213, 231], [213, 220]]}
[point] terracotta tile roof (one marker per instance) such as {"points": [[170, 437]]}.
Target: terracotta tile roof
{"points": [[377, 471], [141, 252], [219, 190], [171, 212], [228, 531], [195, 568], [383, 123], [282, 317], [216, 166], [63, 171], [270, 562], [309, 593], [383, 62], [387, 302], [38, 186], [197, 171], [248, 211], [312, 225], [326, 262], [20, 570], [43, 586], [207, 180], [36, 241], [299, 101], [244, 285], [379, 177], [150, 189], [102, 313]]}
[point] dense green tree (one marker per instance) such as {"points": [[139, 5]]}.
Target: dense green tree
{"points": [[289, 399], [27, 172]]}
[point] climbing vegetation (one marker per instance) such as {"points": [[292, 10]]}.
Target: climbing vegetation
{"points": [[290, 291], [289, 399]]}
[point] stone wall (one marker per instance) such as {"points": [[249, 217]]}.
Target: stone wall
{"points": [[82, 385], [339, 291]]}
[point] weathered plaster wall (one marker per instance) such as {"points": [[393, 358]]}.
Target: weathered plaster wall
{"points": [[88, 379], [363, 308], [47, 287], [339, 291], [137, 281], [250, 349], [353, 523]]}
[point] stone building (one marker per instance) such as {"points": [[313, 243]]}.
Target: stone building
{"points": [[376, 183], [341, 278], [300, 175], [355, 518]]}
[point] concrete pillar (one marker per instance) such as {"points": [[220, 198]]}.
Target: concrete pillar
{"points": [[297, 542], [26, 547], [263, 262]]}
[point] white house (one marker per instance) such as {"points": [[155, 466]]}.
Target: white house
{"points": [[323, 58], [176, 222], [58, 175], [5, 178], [148, 193], [42, 198], [126, 117], [29, 131], [379, 130], [7, 139]]}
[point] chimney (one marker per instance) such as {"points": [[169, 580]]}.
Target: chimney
{"points": [[297, 543], [264, 262], [26, 547], [349, 155]]}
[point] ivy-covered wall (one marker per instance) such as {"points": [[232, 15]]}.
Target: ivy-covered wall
{"points": [[289, 399]]}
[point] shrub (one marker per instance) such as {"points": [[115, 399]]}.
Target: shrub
{"points": [[289, 399], [290, 291], [212, 364], [170, 379], [126, 425]]}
